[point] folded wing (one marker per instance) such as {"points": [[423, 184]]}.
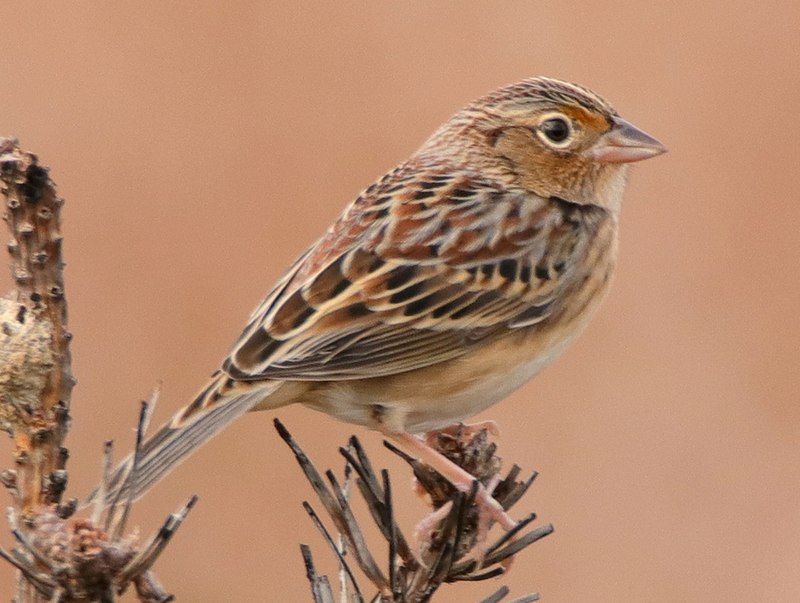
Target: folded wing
{"points": [[419, 270]]}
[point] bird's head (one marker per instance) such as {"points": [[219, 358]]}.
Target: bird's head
{"points": [[553, 138]]}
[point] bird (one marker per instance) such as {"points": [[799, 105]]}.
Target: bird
{"points": [[445, 285]]}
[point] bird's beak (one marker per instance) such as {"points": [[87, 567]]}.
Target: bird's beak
{"points": [[625, 143]]}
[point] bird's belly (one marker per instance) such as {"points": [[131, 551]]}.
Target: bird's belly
{"points": [[469, 396], [440, 395]]}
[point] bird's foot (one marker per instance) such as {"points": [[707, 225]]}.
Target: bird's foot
{"points": [[460, 479], [489, 510]]}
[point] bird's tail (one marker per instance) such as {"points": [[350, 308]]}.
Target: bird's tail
{"points": [[222, 401]]}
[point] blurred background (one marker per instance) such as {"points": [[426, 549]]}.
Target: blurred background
{"points": [[202, 145]]}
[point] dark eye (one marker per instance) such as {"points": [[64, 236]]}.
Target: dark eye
{"points": [[556, 129]]}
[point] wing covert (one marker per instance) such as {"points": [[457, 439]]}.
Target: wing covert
{"points": [[418, 270]]}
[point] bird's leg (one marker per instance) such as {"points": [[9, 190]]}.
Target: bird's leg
{"points": [[423, 532], [485, 520], [457, 476]]}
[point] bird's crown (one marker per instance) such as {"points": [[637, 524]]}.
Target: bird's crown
{"points": [[544, 91]]}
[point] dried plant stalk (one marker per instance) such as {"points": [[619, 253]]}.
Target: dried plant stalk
{"points": [[451, 544], [59, 558], [36, 378]]}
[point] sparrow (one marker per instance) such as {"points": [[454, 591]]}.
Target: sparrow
{"points": [[444, 286]]}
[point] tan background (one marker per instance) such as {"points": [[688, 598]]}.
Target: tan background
{"points": [[200, 148]]}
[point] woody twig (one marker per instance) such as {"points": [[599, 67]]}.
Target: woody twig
{"points": [[59, 557]]}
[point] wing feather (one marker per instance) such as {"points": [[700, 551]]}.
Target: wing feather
{"points": [[417, 271]]}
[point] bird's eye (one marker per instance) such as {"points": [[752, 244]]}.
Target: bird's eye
{"points": [[556, 131]]}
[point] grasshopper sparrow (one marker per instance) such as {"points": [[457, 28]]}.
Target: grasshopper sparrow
{"points": [[445, 285]]}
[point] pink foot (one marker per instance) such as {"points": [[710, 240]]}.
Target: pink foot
{"points": [[457, 476]]}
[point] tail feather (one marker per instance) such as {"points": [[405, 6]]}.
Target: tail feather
{"points": [[216, 407]]}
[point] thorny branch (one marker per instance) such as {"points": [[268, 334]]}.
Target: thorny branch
{"points": [[59, 558], [452, 543]]}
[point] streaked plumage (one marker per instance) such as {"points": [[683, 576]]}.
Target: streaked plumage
{"points": [[445, 285]]}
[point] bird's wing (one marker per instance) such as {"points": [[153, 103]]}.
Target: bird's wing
{"points": [[421, 268]]}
